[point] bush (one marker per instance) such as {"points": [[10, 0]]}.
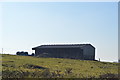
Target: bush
{"points": [[22, 53]]}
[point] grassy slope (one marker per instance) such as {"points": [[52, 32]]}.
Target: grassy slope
{"points": [[79, 68]]}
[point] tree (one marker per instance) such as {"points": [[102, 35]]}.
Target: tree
{"points": [[26, 53], [18, 53], [22, 53]]}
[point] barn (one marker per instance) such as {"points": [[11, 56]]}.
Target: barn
{"points": [[72, 51]]}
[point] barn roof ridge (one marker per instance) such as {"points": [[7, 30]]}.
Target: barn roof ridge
{"points": [[62, 45]]}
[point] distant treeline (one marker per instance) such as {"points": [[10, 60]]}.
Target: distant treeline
{"points": [[22, 53]]}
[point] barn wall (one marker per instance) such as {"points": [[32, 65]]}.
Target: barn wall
{"points": [[89, 52], [74, 53]]}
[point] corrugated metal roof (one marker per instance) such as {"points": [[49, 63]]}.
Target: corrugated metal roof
{"points": [[62, 46]]}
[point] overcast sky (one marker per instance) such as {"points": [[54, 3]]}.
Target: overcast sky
{"points": [[27, 25]]}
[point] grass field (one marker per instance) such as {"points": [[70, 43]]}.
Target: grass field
{"points": [[14, 66]]}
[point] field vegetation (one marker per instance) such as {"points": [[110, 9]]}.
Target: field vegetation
{"points": [[14, 66]]}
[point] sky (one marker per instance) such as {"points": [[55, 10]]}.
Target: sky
{"points": [[29, 24], [59, 0]]}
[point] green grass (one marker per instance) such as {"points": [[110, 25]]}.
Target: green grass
{"points": [[32, 67]]}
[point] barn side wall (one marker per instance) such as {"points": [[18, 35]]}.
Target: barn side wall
{"points": [[73, 53]]}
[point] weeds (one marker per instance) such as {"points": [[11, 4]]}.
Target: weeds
{"points": [[68, 70], [32, 67]]}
